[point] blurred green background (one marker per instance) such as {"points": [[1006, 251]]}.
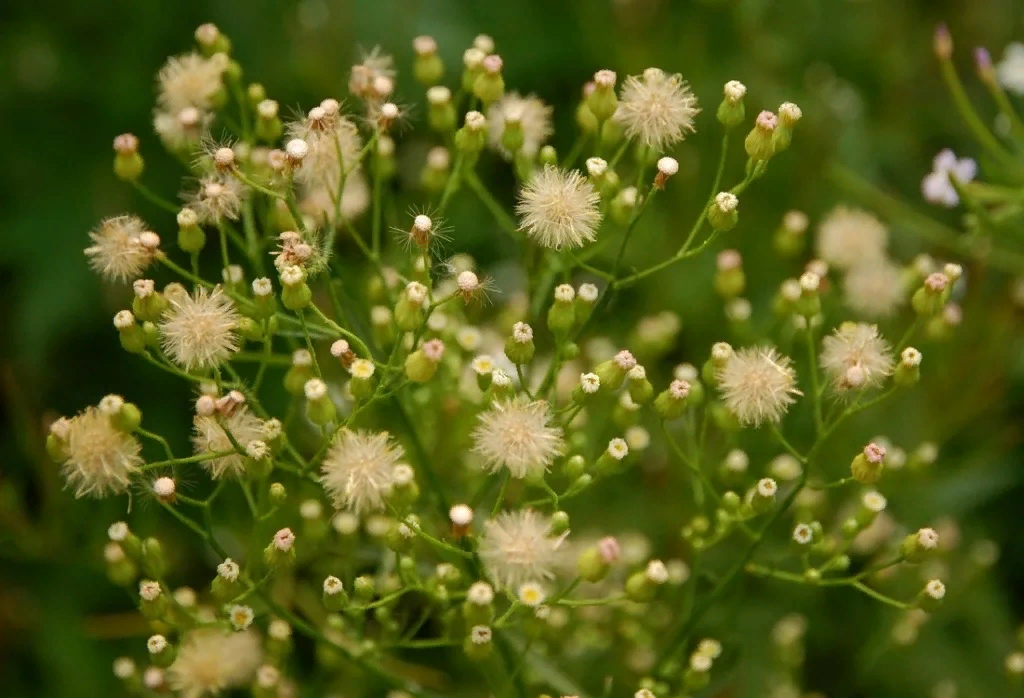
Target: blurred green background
{"points": [[74, 75]]}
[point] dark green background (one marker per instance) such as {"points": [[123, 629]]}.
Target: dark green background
{"points": [[74, 75]]}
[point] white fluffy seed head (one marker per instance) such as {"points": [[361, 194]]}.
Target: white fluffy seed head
{"points": [[668, 166], [163, 487], [461, 515], [297, 149]]}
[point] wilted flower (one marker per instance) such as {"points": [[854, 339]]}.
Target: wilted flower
{"points": [[517, 547], [559, 208], [358, 472], [656, 108], [200, 331], [210, 435], [514, 434], [758, 385]]}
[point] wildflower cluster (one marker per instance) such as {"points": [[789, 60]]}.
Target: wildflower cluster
{"points": [[408, 436]]}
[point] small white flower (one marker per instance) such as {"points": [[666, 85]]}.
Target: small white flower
{"points": [[935, 589], [767, 487], [874, 501], [937, 188], [522, 333], [149, 590], [618, 448], [228, 570], [590, 383], [480, 594], [284, 540], [803, 534], [656, 572], [118, 531], [156, 644], [333, 585], [531, 594], [163, 487], [241, 617], [480, 635]]}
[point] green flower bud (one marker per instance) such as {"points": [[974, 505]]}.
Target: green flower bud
{"points": [[561, 315], [131, 335], [295, 293], [729, 277], [602, 101], [639, 388], [931, 297], [319, 408], [585, 119], [758, 142], [161, 652], [364, 588], [427, 67], [191, 238], [519, 348], [789, 115], [762, 496], [478, 644], [512, 135], [120, 570], [908, 370], [594, 562], [613, 371], [611, 134], [441, 116], [128, 164], [723, 213], [211, 41], [731, 111], [281, 551], [153, 561], [917, 546], [559, 523], [300, 372], [623, 205], [642, 586], [611, 458], [489, 86], [671, 403], [478, 608], [421, 365], [547, 156], [867, 465], [153, 601]]}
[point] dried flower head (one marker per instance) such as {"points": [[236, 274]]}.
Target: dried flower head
{"points": [[210, 661], [849, 237], [216, 198], [559, 208], [532, 115], [656, 108], [358, 472], [117, 251], [855, 357], [874, 288], [758, 385], [514, 434], [190, 80], [101, 459], [199, 331], [517, 547], [210, 435]]}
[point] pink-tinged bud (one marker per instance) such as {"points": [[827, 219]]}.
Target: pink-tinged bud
{"points": [[942, 42]]}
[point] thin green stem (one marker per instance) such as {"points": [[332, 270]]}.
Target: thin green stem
{"points": [[155, 198]]}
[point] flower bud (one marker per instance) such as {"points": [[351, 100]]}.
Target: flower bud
{"points": [[161, 652], [917, 546], [334, 596], [641, 586], [930, 598], [723, 213], [729, 277], [478, 644], [281, 551], [789, 114], [561, 314], [319, 408], [427, 67], [640, 389], [295, 292], [191, 238], [759, 142], [300, 372], [519, 348], [731, 111], [672, 402], [623, 205], [867, 465], [421, 365], [489, 86], [613, 371], [441, 116], [409, 310], [763, 495], [611, 459], [908, 370], [128, 163], [478, 609], [602, 101]]}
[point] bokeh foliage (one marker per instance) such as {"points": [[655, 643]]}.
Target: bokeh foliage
{"points": [[76, 74]]}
